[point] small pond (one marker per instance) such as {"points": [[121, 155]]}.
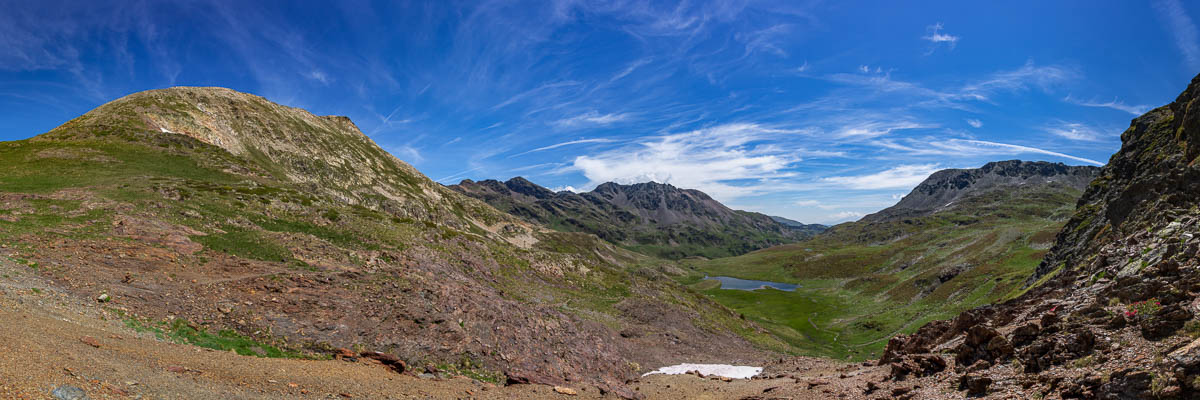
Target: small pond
{"points": [[746, 284]]}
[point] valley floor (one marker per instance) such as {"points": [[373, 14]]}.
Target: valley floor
{"points": [[49, 339]]}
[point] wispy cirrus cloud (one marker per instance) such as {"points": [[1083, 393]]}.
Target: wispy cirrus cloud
{"points": [[935, 36], [591, 118], [875, 85], [898, 177], [871, 129], [1074, 131], [563, 144], [974, 123], [1115, 104], [955, 147], [1182, 30]]}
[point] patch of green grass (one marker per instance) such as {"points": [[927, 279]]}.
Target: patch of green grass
{"points": [[244, 243], [180, 331]]}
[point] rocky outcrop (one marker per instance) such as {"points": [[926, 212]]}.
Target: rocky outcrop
{"points": [[1110, 311]]}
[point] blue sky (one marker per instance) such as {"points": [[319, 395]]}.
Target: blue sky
{"points": [[817, 111]]}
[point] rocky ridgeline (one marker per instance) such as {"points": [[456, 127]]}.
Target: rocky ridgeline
{"points": [[1112, 309], [943, 189], [658, 219]]}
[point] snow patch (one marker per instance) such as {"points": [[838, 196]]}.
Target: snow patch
{"points": [[164, 129], [726, 370]]}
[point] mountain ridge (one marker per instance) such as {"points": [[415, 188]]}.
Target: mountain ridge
{"points": [[942, 188], [659, 219]]}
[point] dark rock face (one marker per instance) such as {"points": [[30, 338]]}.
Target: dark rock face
{"points": [[983, 344], [1127, 264], [657, 218], [1056, 349], [943, 188]]}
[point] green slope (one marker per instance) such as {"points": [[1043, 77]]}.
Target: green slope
{"points": [[862, 283], [275, 197]]}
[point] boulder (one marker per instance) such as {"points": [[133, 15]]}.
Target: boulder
{"points": [[975, 385], [982, 343], [919, 342], [1164, 322], [916, 365], [1025, 334], [1056, 349]]}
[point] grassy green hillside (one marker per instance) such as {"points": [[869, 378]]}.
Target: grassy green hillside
{"points": [[226, 210], [865, 282]]}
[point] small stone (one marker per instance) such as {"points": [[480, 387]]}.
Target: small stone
{"points": [[103, 298], [90, 341], [565, 390], [66, 392]]}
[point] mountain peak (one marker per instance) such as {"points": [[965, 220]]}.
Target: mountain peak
{"points": [[657, 217], [326, 153], [944, 188]]}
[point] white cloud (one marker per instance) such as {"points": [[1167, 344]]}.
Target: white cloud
{"points": [[590, 118], [557, 145], [319, 76], [938, 38], [1074, 131], [814, 203], [843, 216], [872, 129], [970, 148], [567, 188], [898, 177], [709, 159], [405, 152], [803, 68], [868, 88], [1114, 104], [629, 69], [1023, 78], [974, 123], [1182, 29]]}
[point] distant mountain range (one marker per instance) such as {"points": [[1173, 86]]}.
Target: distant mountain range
{"points": [[653, 218]]}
